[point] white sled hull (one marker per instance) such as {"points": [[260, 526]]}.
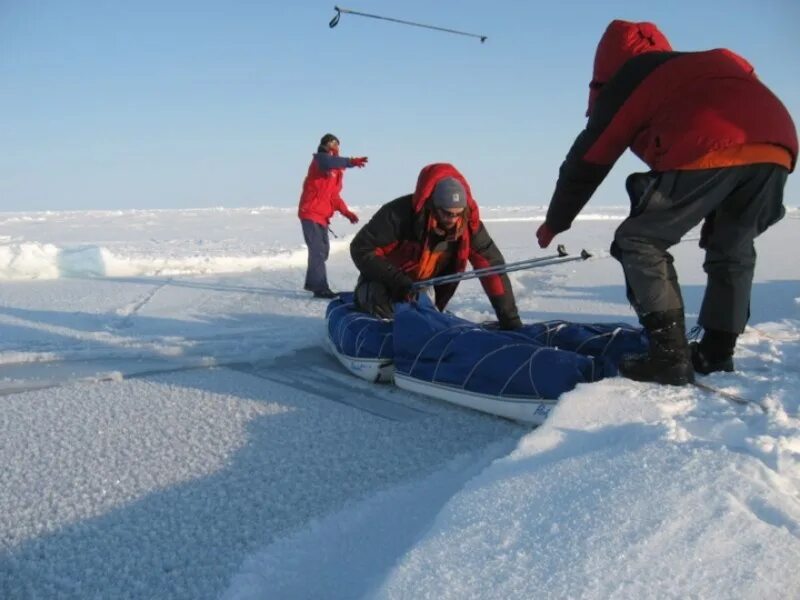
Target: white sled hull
{"points": [[375, 370], [525, 410]]}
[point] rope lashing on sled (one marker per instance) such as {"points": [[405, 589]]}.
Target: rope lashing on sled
{"points": [[461, 330], [341, 330], [610, 339], [553, 327], [361, 338], [339, 11], [463, 327], [611, 335], [527, 362], [550, 329]]}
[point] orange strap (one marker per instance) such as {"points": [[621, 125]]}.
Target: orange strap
{"points": [[745, 154], [428, 264], [430, 261]]}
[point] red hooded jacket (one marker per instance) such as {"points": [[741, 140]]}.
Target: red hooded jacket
{"points": [[672, 109], [622, 40], [321, 195], [391, 247]]}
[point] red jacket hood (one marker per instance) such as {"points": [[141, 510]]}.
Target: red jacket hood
{"points": [[429, 176], [621, 41]]}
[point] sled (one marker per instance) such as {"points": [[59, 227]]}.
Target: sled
{"points": [[517, 375], [522, 409], [360, 342]]}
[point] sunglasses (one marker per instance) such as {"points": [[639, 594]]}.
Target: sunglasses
{"points": [[449, 215]]}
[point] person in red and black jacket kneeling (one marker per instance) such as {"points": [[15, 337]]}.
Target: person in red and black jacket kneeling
{"points": [[719, 145], [434, 231]]}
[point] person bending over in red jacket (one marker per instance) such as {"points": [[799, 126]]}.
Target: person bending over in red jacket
{"points": [[719, 145], [434, 231], [321, 197]]}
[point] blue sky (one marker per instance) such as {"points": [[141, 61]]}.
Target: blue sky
{"points": [[177, 104]]}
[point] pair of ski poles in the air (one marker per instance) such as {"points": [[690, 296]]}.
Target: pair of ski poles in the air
{"points": [[339, 11]]}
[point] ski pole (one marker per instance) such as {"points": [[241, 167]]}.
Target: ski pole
{"points": [[505, 268], [333, 234], [335, 21], [527, 265], [491, 270]]}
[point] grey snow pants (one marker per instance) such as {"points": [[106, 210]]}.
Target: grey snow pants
{"points": [[316, 237], [738, 204]]}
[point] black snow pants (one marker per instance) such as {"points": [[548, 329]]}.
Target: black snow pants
{"points": [[737, 203]]}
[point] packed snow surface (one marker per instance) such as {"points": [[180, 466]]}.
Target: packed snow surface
{"points": [[171, 426]]}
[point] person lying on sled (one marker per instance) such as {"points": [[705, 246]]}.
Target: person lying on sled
{"points": [[429, 233]]}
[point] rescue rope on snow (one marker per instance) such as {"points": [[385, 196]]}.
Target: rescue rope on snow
{"points": [[335, 21]]}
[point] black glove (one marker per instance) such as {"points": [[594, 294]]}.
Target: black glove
{"points": [[511, 324], [383, 310], [503, 325], [402, 287], [380, 301]]}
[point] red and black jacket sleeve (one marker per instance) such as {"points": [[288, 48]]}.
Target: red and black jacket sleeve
{"points": [[485, 253], [389, 227], [616, 118]]}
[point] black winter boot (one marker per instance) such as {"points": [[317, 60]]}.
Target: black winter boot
{"points": [[714, 352], [668, 360]]}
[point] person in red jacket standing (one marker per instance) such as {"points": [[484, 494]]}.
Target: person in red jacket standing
{"points": [[720, 146], [321, 197]]}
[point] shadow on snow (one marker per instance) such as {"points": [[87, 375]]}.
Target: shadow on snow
{"points": [[309, 455]]}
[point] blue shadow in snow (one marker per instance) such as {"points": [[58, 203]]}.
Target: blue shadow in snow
{"points": [[308, 459]]}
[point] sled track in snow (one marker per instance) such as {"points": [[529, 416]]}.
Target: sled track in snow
{"points": [[129, 312], [308, 370]]}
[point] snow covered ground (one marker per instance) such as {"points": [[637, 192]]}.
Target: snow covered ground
{"points": [[171, 427]]}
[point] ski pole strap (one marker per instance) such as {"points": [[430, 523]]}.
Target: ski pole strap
{"points": [[530, 263], [335, 21], [332, 233]]}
